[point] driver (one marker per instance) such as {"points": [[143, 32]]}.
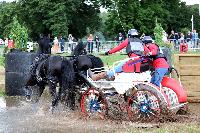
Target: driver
{"points": [[134, 48], [159, 60]]}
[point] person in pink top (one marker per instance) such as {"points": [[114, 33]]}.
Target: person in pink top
{"points": [[90, 43], [159, 60]]}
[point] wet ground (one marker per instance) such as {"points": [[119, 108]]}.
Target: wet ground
{"points": [[17, 115]]}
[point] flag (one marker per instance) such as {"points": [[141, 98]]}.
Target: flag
{"points": [[192, 18]]}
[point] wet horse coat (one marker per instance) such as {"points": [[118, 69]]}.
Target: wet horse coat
{"points": [[66, 72], [53, 70]]}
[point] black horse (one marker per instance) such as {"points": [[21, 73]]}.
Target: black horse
{"points": [[50, 71], [69, 73], [44, 45]]}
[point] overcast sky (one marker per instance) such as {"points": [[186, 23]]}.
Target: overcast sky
{"points": [[7, 0], [189, 2]]}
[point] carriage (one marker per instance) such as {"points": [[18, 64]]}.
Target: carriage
{"points": [[132, 94]]}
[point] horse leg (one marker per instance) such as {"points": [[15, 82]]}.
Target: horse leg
{"points": [[52, 89], [41, 88], [70, 97], [40, 91], [28, 93], [61, 93]]}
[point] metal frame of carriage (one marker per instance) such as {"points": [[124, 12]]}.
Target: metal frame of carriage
{"points": [[166, 96]]}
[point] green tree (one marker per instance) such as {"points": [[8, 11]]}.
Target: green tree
{"points": [[158, 33], [7, 12], [19, 35], [76, 16], [135, 14], [59, 17], [85, 17]]}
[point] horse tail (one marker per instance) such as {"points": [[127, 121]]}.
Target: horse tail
{"points": [[67, 72], [68, 78]]}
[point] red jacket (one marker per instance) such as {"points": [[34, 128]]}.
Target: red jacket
{"points": [[120, 47], [153, 50]]}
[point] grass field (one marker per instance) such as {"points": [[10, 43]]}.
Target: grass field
{"points": [[2, 61], [110, 59], [2, 93], [193, 127]]}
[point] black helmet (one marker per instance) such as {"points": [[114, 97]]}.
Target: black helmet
{"points": [[147, 39], [132, 32]]}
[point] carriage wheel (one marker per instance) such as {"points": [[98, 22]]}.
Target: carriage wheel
{"points": [[93, 104], [146, 104]]}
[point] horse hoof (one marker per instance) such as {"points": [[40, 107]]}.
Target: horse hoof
{"points": [[28, 98], [51, 109]]}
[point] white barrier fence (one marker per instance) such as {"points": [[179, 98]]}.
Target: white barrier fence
{"points": [[102, 45], [192, 44], [106, 45]]}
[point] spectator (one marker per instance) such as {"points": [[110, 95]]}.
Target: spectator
{"points": [[97, 43], [182, 38], [164, 37], [188, 39], [177, 37], [6, 42], [90, 43], [62, 43], [55, 48], [70, 39], [120, 37], [171, 36], [195, 39], [50, 38], [142, 36], [2, 42]]}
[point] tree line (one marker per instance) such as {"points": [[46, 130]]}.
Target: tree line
{"points": [[81, 17]]}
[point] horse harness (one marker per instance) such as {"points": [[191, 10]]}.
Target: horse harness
{"points": [[38, 71], [37, 66]]}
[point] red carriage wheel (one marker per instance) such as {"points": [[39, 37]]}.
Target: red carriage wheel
{"points": [[146, 104], [93, 104]]}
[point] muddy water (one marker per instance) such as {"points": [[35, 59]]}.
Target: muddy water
{"points": [[17, 115]]}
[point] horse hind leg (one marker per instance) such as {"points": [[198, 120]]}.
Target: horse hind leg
{"points": [[70, 97], [54, 97], [41, 89], [28, 93]]}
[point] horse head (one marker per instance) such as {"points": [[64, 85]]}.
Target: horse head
{"points": [[80, 49], [83, 60]]}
